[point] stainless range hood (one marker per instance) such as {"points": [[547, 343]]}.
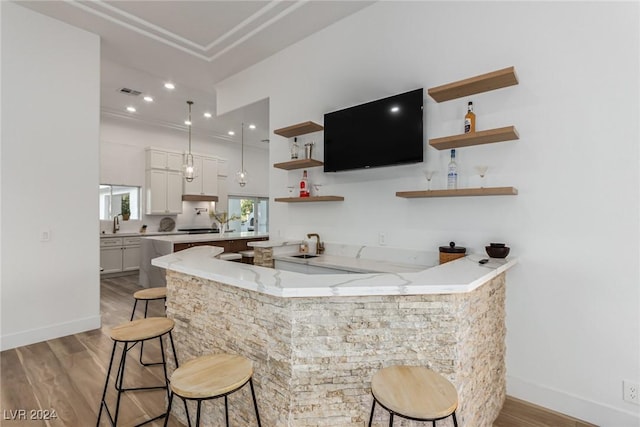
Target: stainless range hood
{"points": [[198, 198]]}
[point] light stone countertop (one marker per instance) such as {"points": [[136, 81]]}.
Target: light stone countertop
{"points": [[274, 243], [459, 276], [207, 237], [137, 234], [356, 265]]}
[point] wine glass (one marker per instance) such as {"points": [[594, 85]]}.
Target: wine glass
{"points": [[316, 189], [482, 171], [291, 189], [429, 175]]}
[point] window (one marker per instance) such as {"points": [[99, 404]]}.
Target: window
{"points": [[253, 212], [114, 200]]}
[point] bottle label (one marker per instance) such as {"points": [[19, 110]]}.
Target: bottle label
{"points": [[467, 125]]}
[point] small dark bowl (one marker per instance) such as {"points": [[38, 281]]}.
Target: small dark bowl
{"points": [[497, 245], [497, 252]]}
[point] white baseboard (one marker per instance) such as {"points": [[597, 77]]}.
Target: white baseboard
{"points": [[32, 336], [572, 405]]}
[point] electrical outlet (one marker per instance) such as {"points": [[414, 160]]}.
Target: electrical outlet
{"points": [[631, 392], [382, 238]]}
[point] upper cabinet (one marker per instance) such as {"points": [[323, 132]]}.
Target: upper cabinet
{"points": [[159, 159], [205, 183], [163, 182]]}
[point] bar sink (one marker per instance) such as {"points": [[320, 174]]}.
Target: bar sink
{"points": [[304, 256]]}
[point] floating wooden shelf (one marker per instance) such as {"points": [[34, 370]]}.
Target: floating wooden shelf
{"points": [[309, 199], [508, 133], [478, 84], [298, 164], [460, 192], [299, 129]]}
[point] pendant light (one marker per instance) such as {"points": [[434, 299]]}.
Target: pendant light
{"points": [[241, 176], [189, 167]]}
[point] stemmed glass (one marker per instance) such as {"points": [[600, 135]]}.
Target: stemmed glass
{"points": [[482, 171], [429, 175], [317, 188], [291, 188]]}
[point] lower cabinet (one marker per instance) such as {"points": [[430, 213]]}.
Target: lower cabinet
{"points": [[118, 254]]}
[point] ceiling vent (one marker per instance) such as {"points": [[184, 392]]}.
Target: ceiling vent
{"points": [[131, 92]]}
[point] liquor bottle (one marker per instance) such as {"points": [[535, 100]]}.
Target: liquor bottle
{"points": [[469, 119], [304, 185], [452, 172]]}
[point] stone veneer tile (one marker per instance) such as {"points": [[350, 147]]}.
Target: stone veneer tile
{"points": [[314, 357]]}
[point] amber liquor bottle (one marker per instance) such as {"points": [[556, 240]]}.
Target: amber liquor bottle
{"points": [[470, 119]]}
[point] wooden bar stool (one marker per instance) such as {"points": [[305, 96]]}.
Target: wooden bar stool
{"points": [[212, 377], [146, 295], [415, 393], [129, 334]]}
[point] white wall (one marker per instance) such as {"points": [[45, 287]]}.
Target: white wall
{"points": [[122, 161], [573, 300], [50, 133]]}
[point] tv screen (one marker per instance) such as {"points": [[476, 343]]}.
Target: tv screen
{"points": [[379, 133]]}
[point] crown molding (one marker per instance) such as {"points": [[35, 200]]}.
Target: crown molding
{"points": [[155, 32]]}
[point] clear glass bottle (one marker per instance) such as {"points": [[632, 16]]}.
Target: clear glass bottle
{"points": [[295, 149], [452, 172], [470, 119]]}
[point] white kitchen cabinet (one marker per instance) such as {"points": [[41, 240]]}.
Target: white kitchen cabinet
{"points": [[205, 182], [119, 254], [164, 192], [167, 160], [130, 253]]}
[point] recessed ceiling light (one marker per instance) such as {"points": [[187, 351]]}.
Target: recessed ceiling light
{"points": [[231, 133], [395, 109], [169, 85], [131, 109], [148, 99], [187, 122], [207, 115], [252, 126]]}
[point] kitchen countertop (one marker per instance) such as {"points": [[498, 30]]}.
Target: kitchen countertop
{"points": [[207, 237], [459, 276], [356, 265], [148, 233]]}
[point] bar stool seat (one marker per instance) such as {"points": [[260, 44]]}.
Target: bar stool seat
{"points": [[414, 392], [129, 334], [141, 329], [146, 295], [230, 256], [210, 377]]}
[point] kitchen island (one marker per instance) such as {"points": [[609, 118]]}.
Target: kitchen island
{"points": [[156, 246], [316, 339]]}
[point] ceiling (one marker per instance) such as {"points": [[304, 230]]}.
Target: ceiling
{"points": [[193, 44]]}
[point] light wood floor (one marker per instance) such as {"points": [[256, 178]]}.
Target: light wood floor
{"points": [[67, 375]]}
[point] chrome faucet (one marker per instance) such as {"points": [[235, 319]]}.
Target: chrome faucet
{"points": [[319, 244], [116, 224]]}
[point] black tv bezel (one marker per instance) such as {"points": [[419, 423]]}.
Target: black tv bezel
{"points": [[367, 106]]}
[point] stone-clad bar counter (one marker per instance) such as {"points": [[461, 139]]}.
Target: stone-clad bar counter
{"points": [[316, 339]]}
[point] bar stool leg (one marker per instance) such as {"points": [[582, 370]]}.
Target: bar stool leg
{"points": [[226, 411], [133, 313], [198, 413], [106, 383], [119, 387], [455, 420], [373, 407], [255, 402], [390, 419]]}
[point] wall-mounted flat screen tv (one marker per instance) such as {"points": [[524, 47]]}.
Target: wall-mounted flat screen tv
{"points": [[385, 132]]}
